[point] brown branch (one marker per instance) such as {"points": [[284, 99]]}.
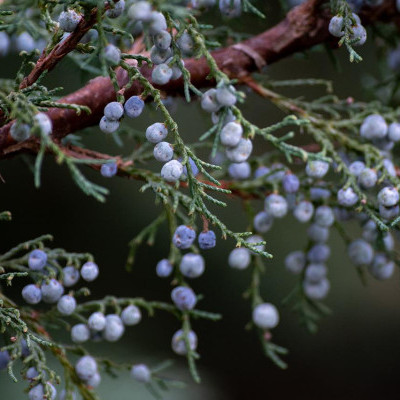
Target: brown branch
{"points": [[304, 27]]}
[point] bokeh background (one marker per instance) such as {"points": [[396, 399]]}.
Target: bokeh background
{"points": [[355, 354]]}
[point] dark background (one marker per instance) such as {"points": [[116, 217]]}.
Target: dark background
{"points": [[356, 351]]}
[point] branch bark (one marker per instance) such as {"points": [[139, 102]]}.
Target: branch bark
{"points": [[304, 27]]}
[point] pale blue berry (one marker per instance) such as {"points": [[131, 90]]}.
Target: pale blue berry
{"points": [[162, 40], [163, 151], [66, 305], [295, 262], [276, 205], [156, 133], [318, 290], [290, 183], [141, 373], [80, 333], [133, 106], [318, 253], [69, 20], [157, 23], [265, 316], [368, 178], [184, 298], [185, 44], [89, 271], [239, 258], [20, 132], [4, 359], [97, 321], [256, 239], [32, 294], [31, 373], [317, 168], [44, 123], [164, 268], [317, 193], [38, 392], [70, 276], [112, 54], [114, 111], [231, 134], [230, 8], [114, 328], [94, 381], [184, 237], [373, 127], [158, 56], [52, 290], [209, 101], [263, 222], [336, 26], [360, 252], [241, 152], [239, 170], [131, 315], [140, 11], [381, 268], [315, 273], [117, 9], [86, 367], [37, 260], [109, 170], [193, 167], [389, 166], [226, 96], [172, 171], [207, 240], [179, 342], [108, 126], [356, 167], [324, 216], [394, 132], [303, 211], [25, 42], [192, 265], [347, 197], [388, 196], [359, 34], [318, 233], [161, 74]]}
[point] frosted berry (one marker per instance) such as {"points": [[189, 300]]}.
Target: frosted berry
{"points": [[318, 253], [388, 213], [192, 265], [359, 34], [388, 196], [94, 381], [178, 342], [117, 9], [37, 260], [109, 170], [163, 151], [356, 167], [157, 23], [52, 290], [373, 127], [318, 233], [131, 315], [133, 107], [89, 271], [25, 42], [31, 373], [141, 373], [239, 170], [185, 44], [32, 294], [86, 367], [162, 40], [38, 392], [256, 239], [394, 132], [381, 268], [80, 333], [347, 197], [263, 222], [324, 216], [226, 96], [172, 171], [108, 126], [66, 305], [193, 167], [161, 74], [44, 123], [70, 276], [303, 211], [231, 134], [316, 291], [241, 152], [20, 132], [368, 178], [295, 262], [114, 328], [207, 240], [239, 258], [317, 193], [156, 133], [183, 297], [336, 26], [230, 8], [184, 237], [164, 268], [113, 111], [97, 321], [360, 252], [158, 56], [140, 11], [315, 273], [112, 54], [290, 183], [276, 205], [209, 101], [316, 168], [69, 20], [266, 316]]}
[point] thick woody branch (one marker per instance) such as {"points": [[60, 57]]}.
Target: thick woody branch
{"points": [[304, 27]]}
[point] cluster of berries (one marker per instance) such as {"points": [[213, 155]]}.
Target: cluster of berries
{"points": [[358, 34]]}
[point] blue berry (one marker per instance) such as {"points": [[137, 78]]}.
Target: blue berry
{"points": [[317, 193], [231, 134], [109, 170], [324, 216], [336, 26], [69, 20], [37, 260], [276, 205], [172, 171], [184, 237], [131, 315], [162, 40], [356, 167], [394, 132], [389, 166], [184, 298], [192, 265], [193, 167], [112, 54], [52, 290], [25, 42], [141, 373], [163, 151], [239, 170], [94, 381], [265, 316], [161, 74], [209, 101], [31, 373], [185, 44], [295, 262], [117, 9], [157, 23], [230, 8], [176, 71], [278, 173], [140, 11], [20, 132], [86, 367], [360, 252], [368, 178], [318, 290], [319, 253], [97, 321], [290, 183], [347, 197], [303, 211], [178, 342], [70, 276], [263, 222], [108, 126], [315, 273], [80, 333], [388, 196], [158, 56], [318, 233], [388, 213], [226, 96], [66, 305], [241, 152], [32, 294], [38, 392], [256, 239], [381, 268], [4, 43], [114, 328], [261, 171], [317, 169], [156, 133], [44, 123], [164, 268], [207, 240], [133, 106], [359, 34], [388, 242], [373, 127], [114, 111], [227, 114], [89, 271], [4, 359], [239, 258]]}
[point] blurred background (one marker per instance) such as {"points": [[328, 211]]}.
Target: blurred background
{"points": [[355, 354]]}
